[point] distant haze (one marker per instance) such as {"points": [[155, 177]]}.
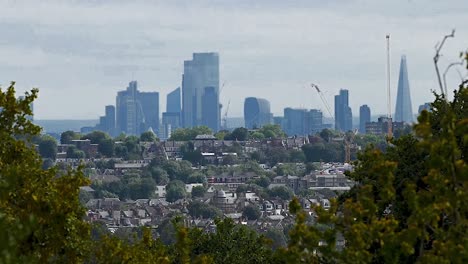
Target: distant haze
{"points": [[80, 53]]}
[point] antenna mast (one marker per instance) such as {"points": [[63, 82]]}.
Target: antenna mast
{"points": [[389, 107]]}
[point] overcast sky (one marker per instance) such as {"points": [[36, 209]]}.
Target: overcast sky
{"points": [[80, 53]]}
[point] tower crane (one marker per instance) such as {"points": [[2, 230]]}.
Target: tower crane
{"points": [[323, 100], [349, 143], [347, 140], [389, 107], [225, 115]]}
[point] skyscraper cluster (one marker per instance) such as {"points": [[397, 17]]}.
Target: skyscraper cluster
{"points": [[137, 111], [200, 91], [196, 103]]}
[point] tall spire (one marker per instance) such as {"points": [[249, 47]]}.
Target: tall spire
{"points": [[403, 112]]}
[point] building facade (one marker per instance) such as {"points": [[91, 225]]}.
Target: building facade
{"points": [[364, 117], [210, 109], [173, 101], [343, 113], [381, 126], [107, 122], [136, 111], [403, 110], [257, 112], [299, 122], [199, 73]]}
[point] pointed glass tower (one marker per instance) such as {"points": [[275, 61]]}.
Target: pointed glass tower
{"points": [[403, 112]]}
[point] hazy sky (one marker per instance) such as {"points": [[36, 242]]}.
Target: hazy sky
{"points": [[80, 53]]}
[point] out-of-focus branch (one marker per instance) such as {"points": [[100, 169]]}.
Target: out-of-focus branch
{"points": [[446, 71], [436, 60]]}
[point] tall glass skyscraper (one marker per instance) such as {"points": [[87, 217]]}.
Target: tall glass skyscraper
{"points": [[210, 109], [343, 113], [403, 110], [199, 73], [136, 111], [173, 101], [364, 117], [257, 112]]}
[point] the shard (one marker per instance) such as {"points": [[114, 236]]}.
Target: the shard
{"points": [[403, 112]]}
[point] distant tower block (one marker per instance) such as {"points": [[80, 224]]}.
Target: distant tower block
{"points": [[403, 111]]}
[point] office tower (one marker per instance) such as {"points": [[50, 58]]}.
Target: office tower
{"points": [[171, 118], [199, 73], [110, 119], [364, 117], [107, 122], [403, 112], [343, 113], [210, 109], [314, 121], [149, 102], [136, 112], [257, 112], [173, 101], [302, 121], [425, 106]]}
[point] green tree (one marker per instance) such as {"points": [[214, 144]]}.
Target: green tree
{"points": [[186, 134], [196, 177], [148, 136], [175, 190], [74, 153], [297, 156], [262, 181], [121, 151], [67, 137], [282, 192], [277, 237], [48, 147], [238, 134], [199, 209], [41, 217], [141, 188], [198, 191], [96, 137], [220, 135], [249, 247], [257, 135], [106, 147], [252, 212], [159, 175], [191, 154], [272, 131]]}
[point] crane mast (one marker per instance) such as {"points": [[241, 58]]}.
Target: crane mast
{"points": [[389, 107]]}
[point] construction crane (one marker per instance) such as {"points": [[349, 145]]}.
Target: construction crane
{"points": [[349, 143], [225, 115], [389, 107], [323, 100]]}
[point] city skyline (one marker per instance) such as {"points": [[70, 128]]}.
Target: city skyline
{"points": [[90, 57]]}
